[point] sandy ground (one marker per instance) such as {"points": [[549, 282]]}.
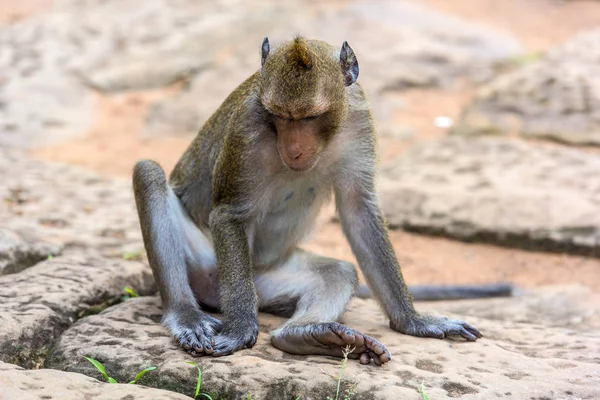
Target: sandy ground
{"points": [[115, 142]]}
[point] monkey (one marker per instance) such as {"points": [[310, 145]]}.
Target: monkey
{"points": [[223, 232]]}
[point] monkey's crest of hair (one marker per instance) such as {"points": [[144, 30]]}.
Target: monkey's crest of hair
{"points": [[304, 75], [299, 55]]}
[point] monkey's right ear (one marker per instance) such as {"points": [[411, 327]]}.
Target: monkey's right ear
{"points": [[349, 64], [265, 50]]}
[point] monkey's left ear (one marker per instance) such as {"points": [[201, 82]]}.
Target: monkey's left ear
{"points": [[265, 50], [349, 64]]}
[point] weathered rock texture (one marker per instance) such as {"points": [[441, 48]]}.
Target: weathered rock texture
{"points": [[48, 384], [523, 359], [51, 62], [68, 207], [557, 98], [16, 253], [39, 303], [497, 190]]}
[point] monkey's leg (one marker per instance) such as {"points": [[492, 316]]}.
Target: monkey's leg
{"points": [[173, 243], [318, 290]]}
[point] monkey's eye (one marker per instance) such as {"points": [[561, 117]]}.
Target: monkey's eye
{"points": [[312, 117]]}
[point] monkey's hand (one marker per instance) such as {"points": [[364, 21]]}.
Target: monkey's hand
{"points": [[435, 327], [235, 335], [192, 328]]}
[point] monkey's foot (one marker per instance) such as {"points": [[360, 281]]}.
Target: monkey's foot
{"points": [[436, 327], [231, 339], [192, 329], [330, 339]]}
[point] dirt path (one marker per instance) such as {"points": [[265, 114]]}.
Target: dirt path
{"points": [[114, 144]]}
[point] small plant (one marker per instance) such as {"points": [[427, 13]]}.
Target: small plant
{"points": [[130, 293], [133, 256], [50, 257], [141, 373], [198, 382], [422, 392], [350, 391], [102, 370], [525, 59]]}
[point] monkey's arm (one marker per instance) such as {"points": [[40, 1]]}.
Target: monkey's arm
{"points": [[239, 302], [364, 226], [237, 293]]}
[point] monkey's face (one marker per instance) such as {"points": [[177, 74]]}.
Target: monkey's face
{"points": [[302, 88], [301, 140]]}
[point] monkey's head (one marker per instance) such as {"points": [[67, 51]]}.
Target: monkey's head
{"points": [[303, 89]]}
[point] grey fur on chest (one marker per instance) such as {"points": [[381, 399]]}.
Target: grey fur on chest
{"points": [[289, 214]]}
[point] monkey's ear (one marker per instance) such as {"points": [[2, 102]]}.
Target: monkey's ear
{"points": [[349, 64], [265, 50]]}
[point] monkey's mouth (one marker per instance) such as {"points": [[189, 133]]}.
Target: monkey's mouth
{"points": [[298, 163]]}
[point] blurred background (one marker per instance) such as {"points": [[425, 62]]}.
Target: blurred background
{"points": [[488, 118]]}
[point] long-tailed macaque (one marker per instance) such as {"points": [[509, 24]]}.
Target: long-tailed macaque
{"points": [[223, 233]]}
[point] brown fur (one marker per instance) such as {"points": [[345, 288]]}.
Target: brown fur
{"points": [[248, 189]]}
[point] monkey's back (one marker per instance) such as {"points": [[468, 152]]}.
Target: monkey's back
{"points": [[192, 177]]}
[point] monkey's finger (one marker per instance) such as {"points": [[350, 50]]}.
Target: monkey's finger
{"points": [[375, 358], [365, 358], [472, 330], [385, 357], [435, 332], [208, 349], [468, 335], [330, 337], [359, 341], [460, 331], [349, 336]]}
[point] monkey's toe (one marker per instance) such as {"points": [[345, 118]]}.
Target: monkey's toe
{"points": [[331, 339], [228, 342], [196, 342], [440, 328], [194, 331]]}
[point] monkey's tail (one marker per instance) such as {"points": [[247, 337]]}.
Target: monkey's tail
{"points": [[449, 292]]}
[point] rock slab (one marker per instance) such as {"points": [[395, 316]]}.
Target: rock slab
{"points": [[74, 209], [39, 303], [555, 98], [17, 253], [48, 384], [503, 191], [521, 360]]}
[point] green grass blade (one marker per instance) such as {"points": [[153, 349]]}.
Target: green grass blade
{"points": [[101, 369], [130, 292], [141, 373], [422, 392], [207, 396], [199, 380]]}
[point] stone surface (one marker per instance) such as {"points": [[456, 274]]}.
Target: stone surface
{"points": [[51, 61], [48, 384], [557, 97], [16, 253], [497, 190], [524, 359], [41, 101], [68, 207], [39, 303], [570, 306]]}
